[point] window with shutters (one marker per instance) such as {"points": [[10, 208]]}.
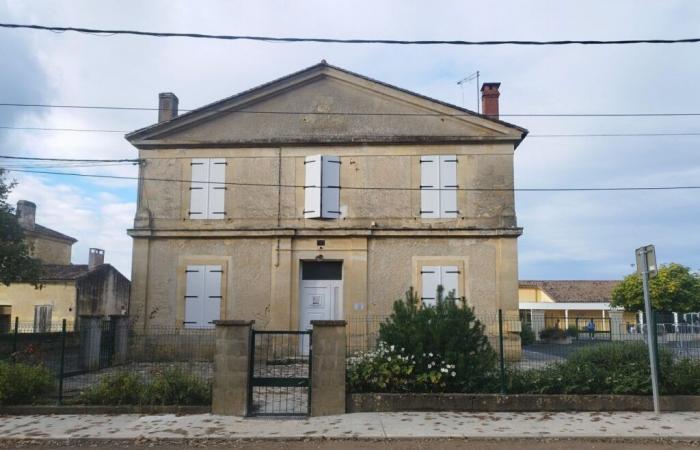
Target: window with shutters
{"points": [[434, 276], [208, 188], [42, 318], [202, 295], [438, 187], [322, 187]]}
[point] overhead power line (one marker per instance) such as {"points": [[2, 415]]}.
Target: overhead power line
{"points": [[279, 185], [230, 37], [29, 158], [353, 113], [551, 135]]}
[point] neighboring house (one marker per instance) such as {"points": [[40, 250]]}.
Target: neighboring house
{"points": [[570, 303], [322, 195], [67, 291]]}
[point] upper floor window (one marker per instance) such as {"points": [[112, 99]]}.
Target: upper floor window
{"points": [[438, 186], [322, 187], [207, 190]]}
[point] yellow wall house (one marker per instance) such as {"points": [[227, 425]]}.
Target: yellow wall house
{"points": [[571, 303], [322, 195], [68, 290]]}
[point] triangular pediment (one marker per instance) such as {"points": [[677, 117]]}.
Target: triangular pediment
{"points": [[325, 104]]}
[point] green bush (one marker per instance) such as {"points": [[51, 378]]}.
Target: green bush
{"points": [[442, 339], [613, 368], [172, 386], [527, 336], [176, 387], [572, 331], [121, 388], [682, 379], [23, 384], [552, 334]]}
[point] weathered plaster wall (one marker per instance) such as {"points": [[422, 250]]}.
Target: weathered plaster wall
{"points": [[23, 297], [489, 266], [480, 166], [50, 251], [103, 292]]}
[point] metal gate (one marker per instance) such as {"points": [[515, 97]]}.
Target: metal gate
{"points": [[280, 373]]}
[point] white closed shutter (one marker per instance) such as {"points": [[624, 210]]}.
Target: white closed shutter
{"points": [[194, 296], [449, 278], [430, 278], [217, 189], [312, 187], [330, 183], [199, 191], [212, 301], [429, 187], [448, 186]]}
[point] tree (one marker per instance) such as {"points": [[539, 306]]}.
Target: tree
{"points": [[674, 289], [16, 264]]}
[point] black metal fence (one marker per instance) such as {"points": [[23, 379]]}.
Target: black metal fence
{"points": [[280, 373], [91, 362], [524, 343]]}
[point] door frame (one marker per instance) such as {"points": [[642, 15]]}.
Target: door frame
{"points": [[337, 305]]}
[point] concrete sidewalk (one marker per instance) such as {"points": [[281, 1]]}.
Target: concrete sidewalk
{"points": [[680, 425]]}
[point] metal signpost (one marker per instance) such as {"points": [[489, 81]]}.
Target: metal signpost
{"points": [[646, 266]]}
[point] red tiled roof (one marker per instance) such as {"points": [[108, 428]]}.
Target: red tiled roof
{"points": [[575, 291]]}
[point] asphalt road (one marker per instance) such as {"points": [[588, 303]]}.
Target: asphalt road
{"points": [[422, 444]]}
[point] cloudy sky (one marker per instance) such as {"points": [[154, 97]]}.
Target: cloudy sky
{"points": [[567, 235]]}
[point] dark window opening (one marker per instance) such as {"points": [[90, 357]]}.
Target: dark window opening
{"points": [[321, 270]]}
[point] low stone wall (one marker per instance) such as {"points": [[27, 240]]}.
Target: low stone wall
{"points": [[514, 403]]}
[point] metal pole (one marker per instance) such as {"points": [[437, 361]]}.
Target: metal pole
{"points": [[501, 357], [62, 364], [650, 335]]}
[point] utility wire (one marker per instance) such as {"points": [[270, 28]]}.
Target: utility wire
{"points": [[28, 158], [554, 135], [279, 185], [229, 37], [354, 113]]}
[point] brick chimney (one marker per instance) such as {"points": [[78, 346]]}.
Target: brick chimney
{"points": [[167, 106], [26, 214], [489, 99], [97, 258]]}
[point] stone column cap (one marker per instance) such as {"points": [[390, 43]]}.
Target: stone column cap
{"points": [[233, 323], [328, 323]]}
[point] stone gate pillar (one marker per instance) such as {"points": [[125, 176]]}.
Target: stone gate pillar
{"points": [[90, 342], [231, 365], [538, 323], [617, 327], [328, 350]]}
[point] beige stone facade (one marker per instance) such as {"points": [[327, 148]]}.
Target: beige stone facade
{"points": [[381, 237]]}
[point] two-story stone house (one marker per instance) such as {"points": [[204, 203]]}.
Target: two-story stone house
{"points": [[322, 195]]}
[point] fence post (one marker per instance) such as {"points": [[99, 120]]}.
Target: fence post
{"points": [[653, 335], [501, 356], [231, 367], [62, 362], [328, 358], [14, 337]]}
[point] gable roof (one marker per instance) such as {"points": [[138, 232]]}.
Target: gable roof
{"points": [[238, 103], [68, 272], [48, 232], [575, 291]]}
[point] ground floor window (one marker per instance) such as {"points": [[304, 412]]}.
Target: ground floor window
{"points": [[434, 276], [42, 318], [202, 295]]}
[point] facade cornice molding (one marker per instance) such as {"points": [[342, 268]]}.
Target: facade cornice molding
{"points": [[327, 232]]}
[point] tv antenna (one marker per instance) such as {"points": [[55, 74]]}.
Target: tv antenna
{"points": [[467, 79]]}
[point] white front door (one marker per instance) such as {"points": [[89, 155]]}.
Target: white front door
{"points": [[320, 300]]}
